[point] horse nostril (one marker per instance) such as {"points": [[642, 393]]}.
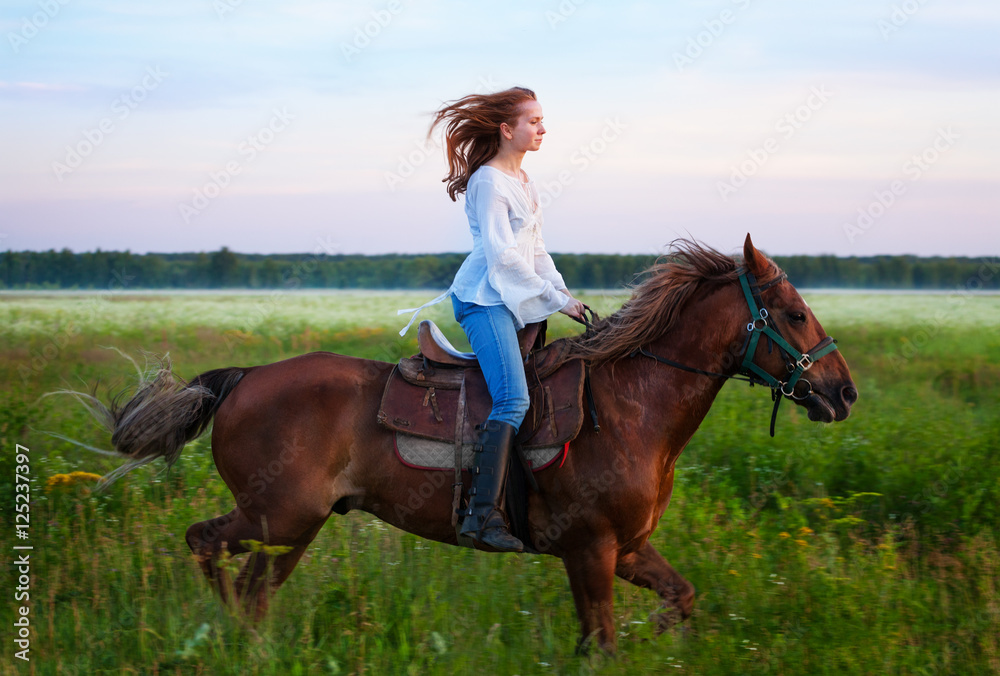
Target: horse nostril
{"points": [[849, 394]]}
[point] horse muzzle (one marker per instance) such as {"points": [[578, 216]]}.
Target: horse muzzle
{"points": [[822, 407]]}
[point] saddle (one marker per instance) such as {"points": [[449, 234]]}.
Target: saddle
{"points": [[440, 394]]}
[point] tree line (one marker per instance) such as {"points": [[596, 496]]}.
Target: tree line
{"points": [[120, 270]]}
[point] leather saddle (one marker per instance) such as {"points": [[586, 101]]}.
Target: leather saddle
{"points": [[441, 394]]}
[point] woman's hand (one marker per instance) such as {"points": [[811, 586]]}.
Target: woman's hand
{"points": [[573, 308]]}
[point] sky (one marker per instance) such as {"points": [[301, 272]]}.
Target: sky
{"points": [[856, 127]]}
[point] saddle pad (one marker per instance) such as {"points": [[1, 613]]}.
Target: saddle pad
{"points": [[422, 453]]}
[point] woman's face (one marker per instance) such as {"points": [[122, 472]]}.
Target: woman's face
{"points": [[526, 134]]}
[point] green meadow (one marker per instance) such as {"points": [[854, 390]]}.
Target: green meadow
{"points": [[871, 546]]}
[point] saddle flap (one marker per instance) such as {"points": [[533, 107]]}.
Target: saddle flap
{"points": [[429, 408], [417, 371], [423, 401]]}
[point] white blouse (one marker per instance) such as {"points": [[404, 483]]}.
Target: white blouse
{"points": [[508, 264]]}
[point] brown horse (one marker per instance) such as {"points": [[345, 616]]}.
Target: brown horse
{"points": [[298, 440]]}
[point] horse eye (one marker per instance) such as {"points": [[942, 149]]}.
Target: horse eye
{"points": [[798, 317]]}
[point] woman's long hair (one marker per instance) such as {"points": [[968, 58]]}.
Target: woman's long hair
{"points": [[472, 131]]}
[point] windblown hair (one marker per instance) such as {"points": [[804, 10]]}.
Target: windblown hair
{"points": [[656, 303], [472, 131]]}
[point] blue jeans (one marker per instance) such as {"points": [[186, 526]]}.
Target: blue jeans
{"points": [[491, 333]]}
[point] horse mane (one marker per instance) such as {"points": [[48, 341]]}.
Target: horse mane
{"points": [[656, 302]]}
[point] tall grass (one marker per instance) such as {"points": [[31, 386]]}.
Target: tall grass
{"points": [[870, 546]]}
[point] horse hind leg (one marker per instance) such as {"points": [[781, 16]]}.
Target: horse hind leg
{"points": [[262, 575], [208, 539], [253, 586], [648, 569]]}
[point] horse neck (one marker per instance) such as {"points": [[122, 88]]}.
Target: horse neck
{"points": [[706, 337]]}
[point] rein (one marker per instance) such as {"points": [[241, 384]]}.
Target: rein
{"points": [[796, 363]]}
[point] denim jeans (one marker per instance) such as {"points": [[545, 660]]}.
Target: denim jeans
{"points": [[491, 333]]}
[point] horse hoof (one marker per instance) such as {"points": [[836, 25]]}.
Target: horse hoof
{"points": [[666, 620]]}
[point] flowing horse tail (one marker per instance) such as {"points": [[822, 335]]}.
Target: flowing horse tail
{"points": [[163, 415]]}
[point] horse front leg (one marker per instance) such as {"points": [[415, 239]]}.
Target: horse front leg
{"points": [[591, 577], [646, 568]]}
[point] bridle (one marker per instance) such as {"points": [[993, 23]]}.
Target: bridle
{"points": [[761, 324]]}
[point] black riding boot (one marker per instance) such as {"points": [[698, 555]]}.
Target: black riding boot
{"points": [[483, 520]]}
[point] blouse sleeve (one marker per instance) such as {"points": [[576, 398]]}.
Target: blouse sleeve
{"points": [[523, 291], [544, 266]]}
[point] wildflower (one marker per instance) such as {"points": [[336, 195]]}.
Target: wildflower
{"points": [[827, 502], [805, 530], [802, 543], [756, 555], [733, 572], [70, 479], [783, 535]]}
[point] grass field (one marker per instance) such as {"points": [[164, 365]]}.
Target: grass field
{"points": [[867, 547]]}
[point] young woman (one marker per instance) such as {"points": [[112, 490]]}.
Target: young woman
{"points": [[508, 280]]}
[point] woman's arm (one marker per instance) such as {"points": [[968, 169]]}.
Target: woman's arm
{"points": [[514, 278], [546, 269]]}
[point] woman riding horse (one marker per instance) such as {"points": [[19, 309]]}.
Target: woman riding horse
{"points": [[508, 280]]}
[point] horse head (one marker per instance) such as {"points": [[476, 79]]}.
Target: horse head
{"points": [[825, 388]]}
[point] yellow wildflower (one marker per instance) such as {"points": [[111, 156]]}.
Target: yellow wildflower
{"points": [[783, 535], [802, 543], [85, 476], [805, 530], [733, 572], [70, 479]]}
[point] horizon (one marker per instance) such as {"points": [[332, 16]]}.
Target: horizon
{"points": [[854, 129], [986, 256]]}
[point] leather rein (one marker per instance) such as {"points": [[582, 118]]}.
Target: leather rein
{"points": [[762, 324]]}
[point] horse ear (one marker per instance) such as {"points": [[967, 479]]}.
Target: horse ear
{"points": [[753, 259]]}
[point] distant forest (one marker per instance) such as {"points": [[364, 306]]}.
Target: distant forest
{"points": [[104, 270]]}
